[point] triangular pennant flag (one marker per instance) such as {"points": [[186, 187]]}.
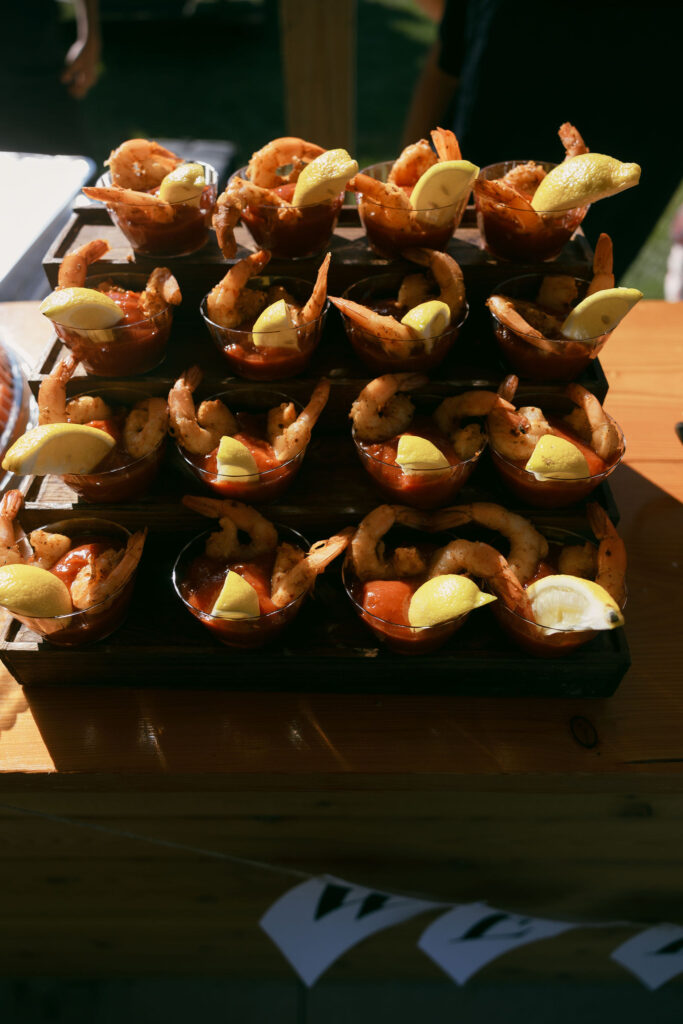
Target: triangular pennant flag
{"points": [[317, 921], [467, 937], [654, 956]]}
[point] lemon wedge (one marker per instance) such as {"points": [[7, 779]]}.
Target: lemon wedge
{"points": [[444, 598], [234, 460], [237, 599], [599, 313], [429, 320], [583, 179], [185, 184], [555, 458], [416, 455], [567, 602], [30, 590], [439, 190], [275, 328], [324, 178], [81, 309], [58, 448]]}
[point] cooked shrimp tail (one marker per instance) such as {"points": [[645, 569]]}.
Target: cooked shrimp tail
{"points": [[611, 559], [73, 269], [294, 574], [288, 433]]}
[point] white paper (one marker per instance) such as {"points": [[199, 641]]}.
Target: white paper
{"points": [[469, 936], [317, 921], [654, 956]]}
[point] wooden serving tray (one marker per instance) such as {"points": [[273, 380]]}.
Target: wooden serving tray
{"points": [[327, 648]]}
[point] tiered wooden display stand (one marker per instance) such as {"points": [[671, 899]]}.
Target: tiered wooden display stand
{"points": [[327, 647]]}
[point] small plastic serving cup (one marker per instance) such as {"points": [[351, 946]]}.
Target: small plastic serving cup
{"points": [[125, 482], [389, 230], [552, 493], [186, 231], [508, 238], [560, 359], [252, 363], [272, 483], [542, 641], [368, 345], [100, 620], [120, 351], [291, 232], [240, 633]]}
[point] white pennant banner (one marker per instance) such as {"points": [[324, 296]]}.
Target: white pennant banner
{"points": [[470, 935], [654, 956], [317, 921]]}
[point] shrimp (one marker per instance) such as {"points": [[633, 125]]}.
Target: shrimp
{"points": [[160, 292], [106, 574], [154, 208], [467, 439], [294, 572], [234, 516], [412, 163], [312, 309], [9, 508], [238, 195], [466, 557], [611, 558], [508, 204], [73, 269], [515, 433], [141, 164], [414, 289], [389, 332], [265, 162], [578, 560], [367, 546], [199, 431], [47, 547], [288, 433], [507, 312], [87, 409], [591, 422], [603, 265], [228, 303], [145, 427], [52, 391], [570, 138], [446, 144], [527, 545], [525, 178], [393, 202], [380, 412], [447, 274]]}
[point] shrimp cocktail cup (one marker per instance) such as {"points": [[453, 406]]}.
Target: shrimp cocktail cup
{"points": [[266, 328], [246, 591], [416, 200], [101, 447], [415, 590], [71, 581], [553, 456], [289, 197], [399, 322], [246, 443], [528, 210], [161, 204], [549, 327], [117, 326], [419, 457]]}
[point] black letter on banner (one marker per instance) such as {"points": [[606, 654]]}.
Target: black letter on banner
{"points": [[674, 947], [481, 927], [333, 897]]}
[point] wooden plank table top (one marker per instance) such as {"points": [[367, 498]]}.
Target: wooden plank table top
{"points": [[124, 731]]}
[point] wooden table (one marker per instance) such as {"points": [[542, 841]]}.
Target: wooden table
{"points": [[567, 809]]}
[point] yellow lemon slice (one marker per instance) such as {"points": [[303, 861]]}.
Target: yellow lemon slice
{"points": [[185, 184], [444, 598], [583, 179], [81, 308], [567, 602], [236, 461], [429, 320], [555, 458], [416, 455], [324, 178], [275, 328], [58, 448], [30, 590], [439, 190], [237, 599], [599, 313]]}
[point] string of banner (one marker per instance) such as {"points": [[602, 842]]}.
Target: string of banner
{"points": [[317, 921]]}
